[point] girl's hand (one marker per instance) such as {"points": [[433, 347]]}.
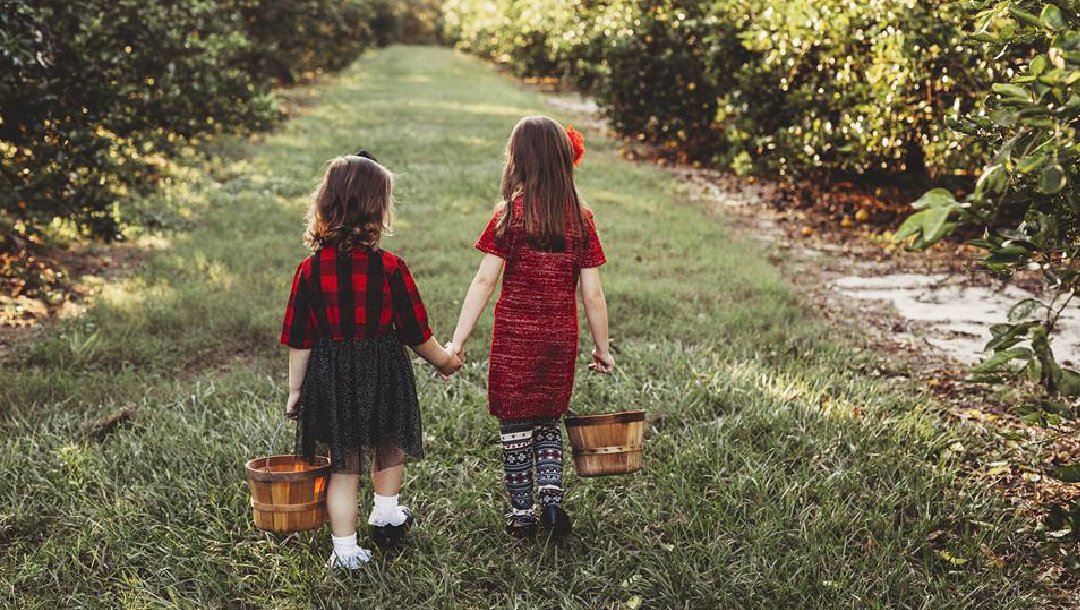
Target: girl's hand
{"points": [[452, 363], [458, 349], [602, 362], [290, 407]]}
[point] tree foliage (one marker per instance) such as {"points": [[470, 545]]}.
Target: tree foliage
{"points": [[792, 87], [95, 95], [1029, 184]]}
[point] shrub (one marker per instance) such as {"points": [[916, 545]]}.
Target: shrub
{"points": [[1030, 185], [659, 82], [421, 21], [793, 86], [91, 93], [848, 87], [291, 39], [510, 32], [95, 96]]}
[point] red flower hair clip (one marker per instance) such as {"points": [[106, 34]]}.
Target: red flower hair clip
{"points": [[578, 142]]}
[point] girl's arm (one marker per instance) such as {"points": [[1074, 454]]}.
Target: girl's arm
{"points": [[298, 361], [592, 294], [443, 359], [480, 291]]}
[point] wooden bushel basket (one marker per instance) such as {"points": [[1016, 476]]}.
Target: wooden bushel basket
{"points": [[607, 444], [287, 493]]}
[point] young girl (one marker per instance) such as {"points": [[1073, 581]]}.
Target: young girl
{"points": [[351, 384], [546, 239]]}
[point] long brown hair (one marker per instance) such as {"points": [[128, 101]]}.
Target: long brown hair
{"points": [[353, 206], [540, 170]]}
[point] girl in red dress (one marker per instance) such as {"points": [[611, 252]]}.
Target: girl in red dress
{"points": [[545, 238]]}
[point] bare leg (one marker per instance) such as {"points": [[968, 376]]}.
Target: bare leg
{"points": [[387, 481], [341, 497]]}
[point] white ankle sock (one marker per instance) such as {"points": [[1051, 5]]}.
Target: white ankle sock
{"points": [[386, 511], [345, 546]]}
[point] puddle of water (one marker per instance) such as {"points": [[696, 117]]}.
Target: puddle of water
{"points": [[954, 316]]}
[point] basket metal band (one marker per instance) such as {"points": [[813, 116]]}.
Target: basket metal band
{"points": [[287, 508], [604, 450]]}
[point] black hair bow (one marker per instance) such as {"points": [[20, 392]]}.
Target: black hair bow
{"points": [[365, 154]]}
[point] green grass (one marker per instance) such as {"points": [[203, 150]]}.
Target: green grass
{"points": [[779, 475]]}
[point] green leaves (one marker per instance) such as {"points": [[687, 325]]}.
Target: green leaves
{"points": [[151, 77], [1003, 357], [1011, 90], [931, 222], [1052, 18], [1068, 474], [1052, 179], [1024, 309], [1024, 16], [1038, 65], [993, 180], [935, 198], [799, 88], [1029, 126]]}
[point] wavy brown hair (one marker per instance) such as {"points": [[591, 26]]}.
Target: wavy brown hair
{"points": [[353, 206], [540, 170]]}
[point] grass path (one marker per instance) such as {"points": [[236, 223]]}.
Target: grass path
{"points": [[780, 475]]}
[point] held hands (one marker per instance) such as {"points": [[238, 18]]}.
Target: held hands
{"points": [[453, 361], [602, 362]]}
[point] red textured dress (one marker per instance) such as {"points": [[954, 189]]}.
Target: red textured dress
{"points": [[534, 347]]}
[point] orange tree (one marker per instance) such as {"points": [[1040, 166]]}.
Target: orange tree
{"points": [[1027, 199], [95, 95], [789, 87]]}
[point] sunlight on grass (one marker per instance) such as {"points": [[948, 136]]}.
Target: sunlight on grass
{"points": [[794, 390], [514, 112], [131, 294], [624, 199], [217, 274]]}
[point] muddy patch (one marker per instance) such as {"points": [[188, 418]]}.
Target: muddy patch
{"points": [[954, 314]]}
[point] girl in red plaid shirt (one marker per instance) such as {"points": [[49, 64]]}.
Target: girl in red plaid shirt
{"points": [[351, 385]]}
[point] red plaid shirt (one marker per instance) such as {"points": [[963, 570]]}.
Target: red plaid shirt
{"points": [[353, 295]]}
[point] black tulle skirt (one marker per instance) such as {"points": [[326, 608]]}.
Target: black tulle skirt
{"points": [[358, 402]]}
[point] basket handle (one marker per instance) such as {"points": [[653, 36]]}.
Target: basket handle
{"points": [[616, 375], [273, 441]]}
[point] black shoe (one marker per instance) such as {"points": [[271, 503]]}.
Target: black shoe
{"points": [[389, 537], [555, 519], [521, 526]]}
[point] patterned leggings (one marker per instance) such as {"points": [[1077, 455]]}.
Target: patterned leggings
{"points": [[524, 441]]}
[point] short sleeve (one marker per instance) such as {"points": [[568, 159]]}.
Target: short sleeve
{"points": [[593, 255], [489, 241], [298, 329], [410, 315]]}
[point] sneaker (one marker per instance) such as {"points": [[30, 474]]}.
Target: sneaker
{"points": [[555, 519], [521, 526], [390, 536], [349, 562]]}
